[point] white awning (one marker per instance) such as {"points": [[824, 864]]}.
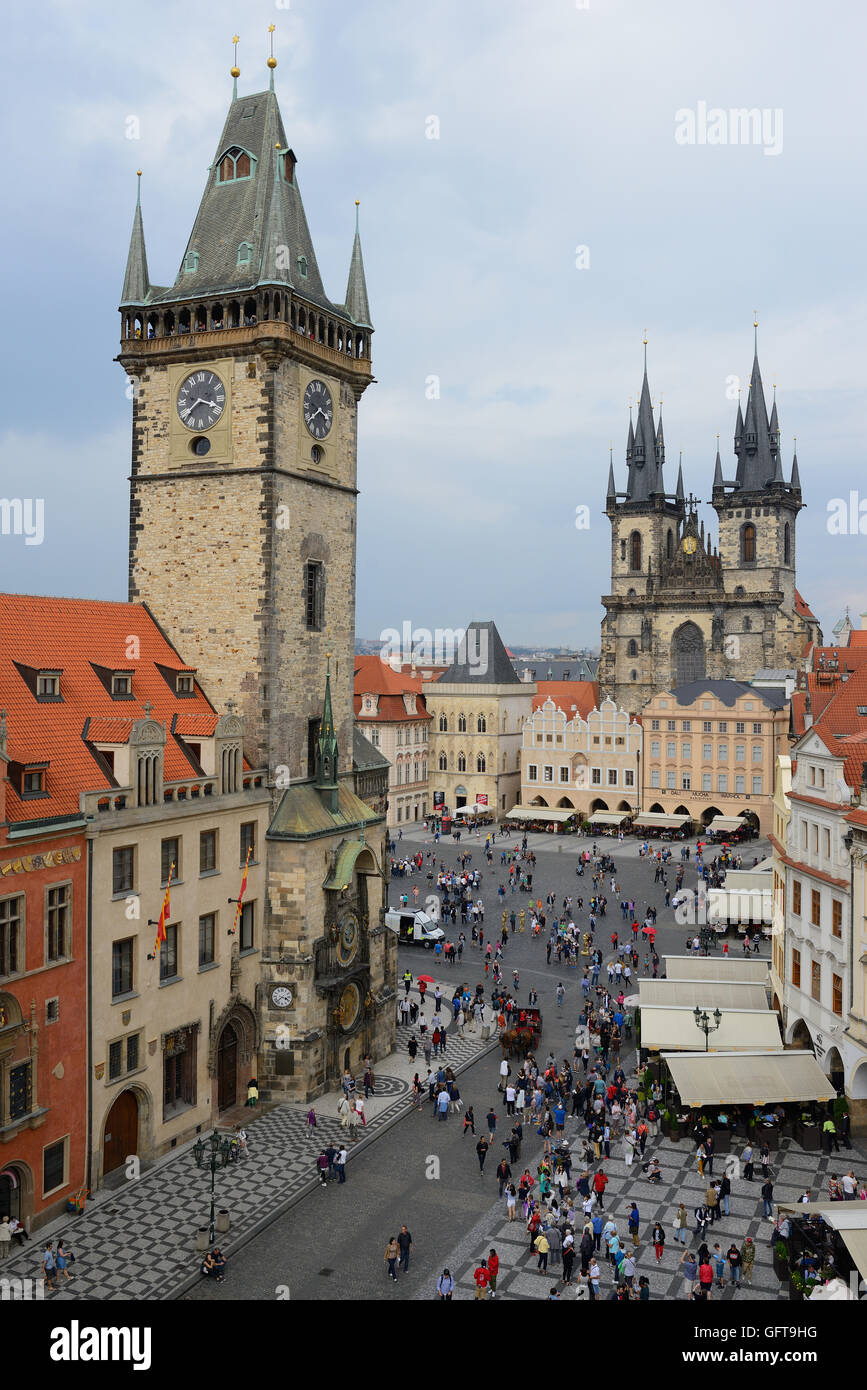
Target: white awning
{"points": [[726, 823], [849, 1218], [607, 817], [709, 968], [708, 994], [747, 1078], [740, 1030], [660, 820], [477, 809], [547, 813]]}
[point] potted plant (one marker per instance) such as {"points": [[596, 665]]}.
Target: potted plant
{"points": [[673, 1126], [799, 1287], [781, 1259]]}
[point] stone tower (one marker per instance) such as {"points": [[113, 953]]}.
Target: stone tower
{"points": [[243, 488], [680, 609]]}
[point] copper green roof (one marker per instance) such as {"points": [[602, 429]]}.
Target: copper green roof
{"points": [[340, 876], [302, 814]]}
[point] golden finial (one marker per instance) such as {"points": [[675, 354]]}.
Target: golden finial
{"points": [[138, 172], [272, 61], [358, 202], [235, 70]]}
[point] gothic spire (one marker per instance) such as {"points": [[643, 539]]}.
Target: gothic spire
{"points": [[326, 759], [356, 304], [136, 283], [645, 472], [756, 464], [796, 476], [717, 472], [679, 488], [611, 494]]}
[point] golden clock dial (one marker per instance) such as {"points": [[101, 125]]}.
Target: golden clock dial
{"points": [[350, 1006], [348, 939]]}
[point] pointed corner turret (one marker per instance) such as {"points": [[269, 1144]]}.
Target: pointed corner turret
{"points": [[326, 751], [717, 472], [356, 305], [136, 282], [611, 494], [679, 494], [630, 439], [795, 483]]}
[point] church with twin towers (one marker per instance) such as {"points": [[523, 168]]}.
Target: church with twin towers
{"points": [[682, 608]]}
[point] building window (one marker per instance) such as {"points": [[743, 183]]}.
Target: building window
{"points": [[170, 854], [480, 762], [635, 550], [596, 776], [179, 1071], [796, 969], [740, 786], [169, 953], [686, 752], [654, 725], [191, 262], [207, 852], [234, 165], [740, 727], [122, 967], [564, 773], [444, 724], [816, 980], [547, 774], [722, 753], [706, 782], [462, 723], [836, 917], [57, 905], [52, 1010], [686, 782], [207, 938], [302, 268], [816, 907], [11, 922], [740, 753], [654, 748], [532, 773], [184, 685], [654, 776], [787, 544], [722, 782], [671, 725], [19, 1091], [245, 253], [54, 1167], [707, 752], [707, 726], [462, 762], [671, 780], [443, 763], [612, 776], [248, 916], [827, 837], [796, 896], [33, 782], [248, 841], [123, 870], [748, 544], [481, 724], [632, 649], [629, 777], [757, 786], [132, 1052], [115, 1060], [757, 752], [722, 727], [837, 990], [314, 596], [121, 683], [671, 750], [757, 728]]}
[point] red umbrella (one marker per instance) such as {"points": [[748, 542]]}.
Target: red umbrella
{"points": [[428, 979]]}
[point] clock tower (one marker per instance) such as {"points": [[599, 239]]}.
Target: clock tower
{"points": [[247, 379]]}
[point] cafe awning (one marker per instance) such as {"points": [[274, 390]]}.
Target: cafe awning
{"points": [[740, 1030], [608, 817], [726, 823], [658, 820], [546, 813], [708, 994], [747, 1078], [849, 1218], [716, 968]]}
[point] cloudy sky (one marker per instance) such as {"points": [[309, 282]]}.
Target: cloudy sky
{"points": [[557, 129]]}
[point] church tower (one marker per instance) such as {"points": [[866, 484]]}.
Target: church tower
{"points": [[243, 488]]}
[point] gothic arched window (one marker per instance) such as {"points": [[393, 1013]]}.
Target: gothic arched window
{"points": [[748, 544], [443, 763], [635, 550], [669, 544], [444, 724], [482, 724], [462, 723], [787, 544], [480, 763], [235, 164], [632, 649], [688, 654], [462, 762]]}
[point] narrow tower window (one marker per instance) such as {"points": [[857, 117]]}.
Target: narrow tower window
{"points": [[748, 544], [787, 544], [635, 550]]}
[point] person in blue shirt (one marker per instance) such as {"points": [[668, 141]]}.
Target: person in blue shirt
{"points": [[445, 1285]]}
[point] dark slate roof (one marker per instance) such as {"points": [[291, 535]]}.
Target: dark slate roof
{"points": [[757, 446], [728, 692], [263, 210], [136, 284], [356, 304], [576, 668], [365, 756], [481, 659]]}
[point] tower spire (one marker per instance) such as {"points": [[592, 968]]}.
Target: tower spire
{"points": [[272, 61], [236, 71], [357, 306], [796, 476], [679, 489], [717, 472], [326, 760], [136, 282]]}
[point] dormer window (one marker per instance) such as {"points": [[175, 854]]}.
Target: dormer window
{"points": [[33, 780], [302, 267], [287, 166], [121, 685], [48, 685], [191, 262], [235, 164], [184, 684], [245, 253]]}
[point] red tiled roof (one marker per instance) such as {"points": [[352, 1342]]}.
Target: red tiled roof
{"points": [[69, 634], [583, 695], [843, 729], [376, 676], [858, 637], [196, 725], [802, 608]]}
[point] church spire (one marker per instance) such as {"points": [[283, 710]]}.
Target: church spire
{"points": [[717, 472], [679, 489], [356, 305], [796, 476], [136, 283], [645, 471], [611, 494]]}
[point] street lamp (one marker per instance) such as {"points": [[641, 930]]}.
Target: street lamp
{"points": [[213, 1155], [703, 1021]]}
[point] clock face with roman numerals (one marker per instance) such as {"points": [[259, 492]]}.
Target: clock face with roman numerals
{"points": [[318, 409], [201, 400]]}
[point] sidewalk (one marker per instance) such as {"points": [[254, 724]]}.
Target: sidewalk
{"points": [[137, 1242]]}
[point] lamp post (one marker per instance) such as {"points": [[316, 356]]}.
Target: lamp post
{"points": [[213, 1155], [703, 1021]]}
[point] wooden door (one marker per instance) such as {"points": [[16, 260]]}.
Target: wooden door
{"points": [[227, 1069], [121, 1132]]}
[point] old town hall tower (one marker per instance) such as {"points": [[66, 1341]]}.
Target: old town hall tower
{"points": [[680, 608]]}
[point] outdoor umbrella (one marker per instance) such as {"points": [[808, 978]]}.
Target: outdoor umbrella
{"points": [[428, 979]]}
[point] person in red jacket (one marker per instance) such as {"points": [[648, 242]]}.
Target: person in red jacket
{"points": [[483, 1279], [600, 1182], [493, 1270]]}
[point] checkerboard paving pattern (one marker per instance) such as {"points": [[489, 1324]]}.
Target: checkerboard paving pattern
{"points": [[792, 1170]]}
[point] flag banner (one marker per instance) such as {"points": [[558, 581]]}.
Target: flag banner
{"points": [[239, 901]]}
